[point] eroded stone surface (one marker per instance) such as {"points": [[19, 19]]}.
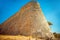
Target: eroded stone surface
{"points": [[28, 21]]}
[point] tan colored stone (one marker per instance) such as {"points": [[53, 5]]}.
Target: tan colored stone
{"points": [[28, 21]]}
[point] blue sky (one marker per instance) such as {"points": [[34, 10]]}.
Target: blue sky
{"points": [[50, 8]]}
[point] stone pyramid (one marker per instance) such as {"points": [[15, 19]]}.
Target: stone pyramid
{"points": [[28, 21]]}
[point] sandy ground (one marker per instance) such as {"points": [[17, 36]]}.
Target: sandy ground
{"points": [[8, 37], [19, 37]]}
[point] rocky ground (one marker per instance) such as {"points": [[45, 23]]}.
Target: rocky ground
{"points": [[18, 37]]}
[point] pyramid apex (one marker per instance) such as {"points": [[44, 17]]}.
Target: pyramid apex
{"points": [[34, 0], [35, 4]]}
